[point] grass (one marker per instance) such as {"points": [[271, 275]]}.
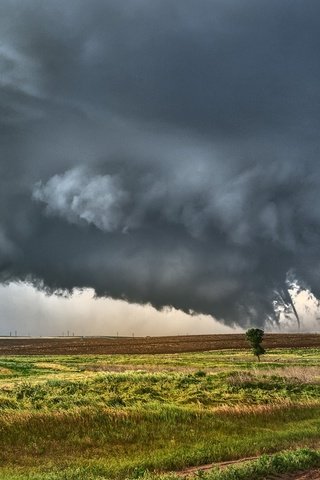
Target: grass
{"points": [[91, 417], [286, 462]]}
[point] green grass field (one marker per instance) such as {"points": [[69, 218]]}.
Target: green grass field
{"points": [[123, 416]]}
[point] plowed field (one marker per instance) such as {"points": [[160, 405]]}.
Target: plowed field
{"points": [[140, 345]]}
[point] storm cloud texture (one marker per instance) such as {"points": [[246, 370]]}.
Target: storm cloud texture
{"points": [[162, 152]]}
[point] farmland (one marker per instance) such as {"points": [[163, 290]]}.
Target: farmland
{"points": [[129, 415], [145, 345]]}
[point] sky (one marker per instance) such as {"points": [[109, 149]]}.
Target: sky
{"points": [[159, 165]]}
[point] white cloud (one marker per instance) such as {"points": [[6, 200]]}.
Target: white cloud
{"points": [[29, 311], [84, 199]]}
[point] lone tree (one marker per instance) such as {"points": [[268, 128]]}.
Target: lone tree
{"points": [[255, 337]]}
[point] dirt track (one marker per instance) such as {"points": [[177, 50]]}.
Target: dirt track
{"points": [[191, 472], [141, 345], [311, 475]]}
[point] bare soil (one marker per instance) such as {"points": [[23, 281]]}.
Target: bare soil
{"points": [[147, 345]]}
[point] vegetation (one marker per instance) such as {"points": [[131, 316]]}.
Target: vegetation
{"points": [[96, 417], [285, 462], [255, 337]]}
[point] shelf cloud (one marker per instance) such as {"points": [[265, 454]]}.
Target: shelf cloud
{"points": [[164, 153]]}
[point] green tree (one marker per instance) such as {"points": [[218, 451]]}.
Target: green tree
{"points": [[255, 337]]}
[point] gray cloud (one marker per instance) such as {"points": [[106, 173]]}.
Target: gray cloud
{"points": [[162, 152], [84, 200]]}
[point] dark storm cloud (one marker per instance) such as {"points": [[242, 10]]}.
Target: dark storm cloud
{"points": [[162, 152]]}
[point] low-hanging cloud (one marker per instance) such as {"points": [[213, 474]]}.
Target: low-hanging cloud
{"points": [[80, 199], [162, 152]]}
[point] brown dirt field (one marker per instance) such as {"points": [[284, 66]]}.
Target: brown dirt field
{"points": [[147, 345]]}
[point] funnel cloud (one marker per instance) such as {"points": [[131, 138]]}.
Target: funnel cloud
{"points": [[163, 153]]}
